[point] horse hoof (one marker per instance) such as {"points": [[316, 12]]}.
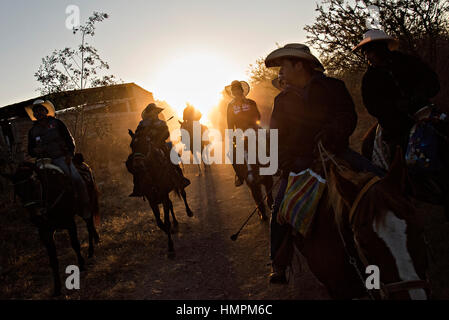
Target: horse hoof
{"points": [[278, 278], [56, 293], [189, 213], [171, 253]]}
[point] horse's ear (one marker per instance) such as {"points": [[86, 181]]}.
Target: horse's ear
{"points": [[397, 174], [337, 183]]}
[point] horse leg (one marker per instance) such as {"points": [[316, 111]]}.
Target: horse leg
{"points": [[74, 241], [175, 222], [195, 156], [268, 184], [157, 216], [93, 235], [49, 243], [256, 191], [184, 197], [166, 205], [205, 151]]}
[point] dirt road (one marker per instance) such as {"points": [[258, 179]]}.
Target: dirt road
{"points": [[131, 261]]}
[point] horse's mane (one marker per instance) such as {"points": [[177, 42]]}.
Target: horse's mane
{"points": [[374, 205], [334, 196]]}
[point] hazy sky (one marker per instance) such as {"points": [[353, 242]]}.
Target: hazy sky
{"points": [[171, 48]]}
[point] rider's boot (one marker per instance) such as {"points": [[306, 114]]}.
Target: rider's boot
{"points": [[278, 274], [185, 181], [136, 189]]}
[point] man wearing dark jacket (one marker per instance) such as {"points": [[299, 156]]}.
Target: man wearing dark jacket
{"points": [[310, 108], [395, 86], [50, 138], [155, 131]]}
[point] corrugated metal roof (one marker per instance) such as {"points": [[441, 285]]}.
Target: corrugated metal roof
{"points": [[68, 99]]}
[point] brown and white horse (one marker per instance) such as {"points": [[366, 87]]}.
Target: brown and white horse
{"points": [[364, 220]]}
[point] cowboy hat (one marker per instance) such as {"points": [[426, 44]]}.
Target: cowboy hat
{"points": [[375, 35], [292, 50], [46, 104], [191, 113], [150, 109], [244, 85]]}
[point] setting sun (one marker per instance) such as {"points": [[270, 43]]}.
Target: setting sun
{"points": [[196, 77]]}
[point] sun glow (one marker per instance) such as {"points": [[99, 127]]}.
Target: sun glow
{"points": [[197, 78]]}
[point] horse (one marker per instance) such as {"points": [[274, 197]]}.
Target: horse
{"points": [[188, 126], [363, 220], [48, 196], [159, 179]]}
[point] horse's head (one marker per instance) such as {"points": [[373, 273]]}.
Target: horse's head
{"points": [[385, 227], [26, 183]]}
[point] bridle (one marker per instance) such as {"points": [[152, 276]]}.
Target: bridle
{"points": [[385, 289]]}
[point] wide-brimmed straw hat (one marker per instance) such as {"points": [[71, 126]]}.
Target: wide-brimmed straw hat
{"points": [[244, 85], [151, 109], [375, 35], [45, 103], [191, 113], [293, 50]]}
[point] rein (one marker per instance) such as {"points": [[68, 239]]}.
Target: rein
{"points": [[359, 197], [385, 289]]}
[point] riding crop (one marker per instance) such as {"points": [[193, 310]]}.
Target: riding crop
{"points": [[236, 235]]}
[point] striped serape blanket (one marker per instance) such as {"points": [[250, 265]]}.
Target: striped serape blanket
{"points": [[303, 193]]}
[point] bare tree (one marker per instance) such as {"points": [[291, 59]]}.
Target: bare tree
{"points": [[420, 25]]}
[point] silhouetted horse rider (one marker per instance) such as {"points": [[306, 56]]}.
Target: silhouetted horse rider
{"points": [[242, 113], [155, 131], [50, 138], [397, 89], [394, 88], [311, 107], [191, 115]]}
